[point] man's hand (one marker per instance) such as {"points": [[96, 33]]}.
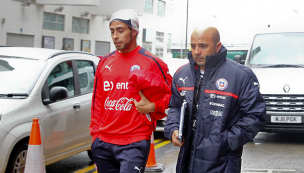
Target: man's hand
{"points": [[144, 106], [175, 140]]}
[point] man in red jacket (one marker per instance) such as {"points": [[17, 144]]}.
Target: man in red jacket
{"points": [[121, 137]]}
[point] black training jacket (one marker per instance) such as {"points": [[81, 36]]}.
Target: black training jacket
{"points": [[230, 112]]}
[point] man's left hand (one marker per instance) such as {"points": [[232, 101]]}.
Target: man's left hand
{"points": [[144, 105]]}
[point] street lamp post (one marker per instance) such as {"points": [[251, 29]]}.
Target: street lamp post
{"points": [[186, 30]]}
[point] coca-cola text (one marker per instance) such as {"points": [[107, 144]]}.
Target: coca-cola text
{"points": [[122, 104]]}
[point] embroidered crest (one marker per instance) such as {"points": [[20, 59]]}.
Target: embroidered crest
{"points": [[221, 84], [135, 67]]}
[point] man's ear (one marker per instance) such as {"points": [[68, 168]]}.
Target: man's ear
{"points": [[218, 46], [134, 32]]}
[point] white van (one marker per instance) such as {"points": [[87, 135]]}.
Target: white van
{"points": [[277, 59]]}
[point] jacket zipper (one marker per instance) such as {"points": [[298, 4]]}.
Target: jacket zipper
{"points": [[189, 125], [202, 89]]}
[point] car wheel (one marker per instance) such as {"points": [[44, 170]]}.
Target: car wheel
{"points": [[16, 162], [90, 154]]}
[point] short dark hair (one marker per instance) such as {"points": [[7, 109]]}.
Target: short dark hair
{"points": [[131, 30]]}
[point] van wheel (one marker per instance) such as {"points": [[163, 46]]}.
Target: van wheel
{"points": [[16, 162], [90, 154]]}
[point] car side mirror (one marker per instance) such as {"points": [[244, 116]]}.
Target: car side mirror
{"points": [[237, 58], [56, 93]]}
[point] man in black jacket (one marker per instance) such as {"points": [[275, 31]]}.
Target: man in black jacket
{"points": [[224, 110]]}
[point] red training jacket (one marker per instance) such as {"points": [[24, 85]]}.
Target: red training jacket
{"points": [[152, 86], [114, 118]]}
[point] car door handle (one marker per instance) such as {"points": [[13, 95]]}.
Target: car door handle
{"points": [[76, 106]]}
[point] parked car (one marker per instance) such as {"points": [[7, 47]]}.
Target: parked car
{"points": [[30, 86], [277, 59]]}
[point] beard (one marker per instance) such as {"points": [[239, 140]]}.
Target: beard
{"points": [[125, 45]]}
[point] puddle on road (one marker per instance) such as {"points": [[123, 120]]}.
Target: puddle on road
{"points": [[257, 143], [249, 170]]}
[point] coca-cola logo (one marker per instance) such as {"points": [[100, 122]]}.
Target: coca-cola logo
{"points": [[122, 104]]}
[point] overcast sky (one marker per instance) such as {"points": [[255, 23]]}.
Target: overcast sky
{"points": [[238, 20]]}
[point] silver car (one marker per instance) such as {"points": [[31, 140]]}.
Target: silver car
{"points": [[54, 85]]}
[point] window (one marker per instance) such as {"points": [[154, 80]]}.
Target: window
{"points": [[171, 8], [169, 43], [161, 8], [277, 50], [232, 53], [159, 51], [53, 22], [86, 76], [80, 25], [159, 37], [147, 46], [148, 6], [62, 75]]}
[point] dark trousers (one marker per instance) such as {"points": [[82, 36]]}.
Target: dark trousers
{"points": [[111, 158]]}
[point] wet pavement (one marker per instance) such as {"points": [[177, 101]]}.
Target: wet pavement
{"points": [[266, 153]]}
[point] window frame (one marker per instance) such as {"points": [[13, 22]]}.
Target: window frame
{"points": [[160, 37], [161, 8], [151, 2], [77, 72], [170, 8], [169, 42], [158, 53], [77, 90], [49, 21], [83, 19]]}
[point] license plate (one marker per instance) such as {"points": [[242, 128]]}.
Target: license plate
{"points": [[286, 119]]}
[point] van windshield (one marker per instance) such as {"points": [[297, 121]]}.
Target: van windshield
{"points": [[18, 75], [277, 50]]}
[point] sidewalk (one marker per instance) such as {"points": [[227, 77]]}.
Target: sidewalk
{"points": [[169, 161], [170, 168]]}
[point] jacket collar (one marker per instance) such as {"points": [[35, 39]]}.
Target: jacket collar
{"points": [[212, 61]]}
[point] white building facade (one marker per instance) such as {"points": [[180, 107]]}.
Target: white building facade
{"points": [[82, 25], [156, 27]]}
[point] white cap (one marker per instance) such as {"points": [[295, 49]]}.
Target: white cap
{"points": [[127, 16]]}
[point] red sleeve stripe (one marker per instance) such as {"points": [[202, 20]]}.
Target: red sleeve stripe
{"points": [[185, 88], [221, 93]]}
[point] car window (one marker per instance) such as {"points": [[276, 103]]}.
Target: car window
{"points": [[279, 49], [62, 75], [86, 76], [232, 53]]}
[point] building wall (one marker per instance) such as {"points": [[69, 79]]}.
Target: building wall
{"points": [[20, 20], [98, 28], [159, 24], [28, 20]]}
